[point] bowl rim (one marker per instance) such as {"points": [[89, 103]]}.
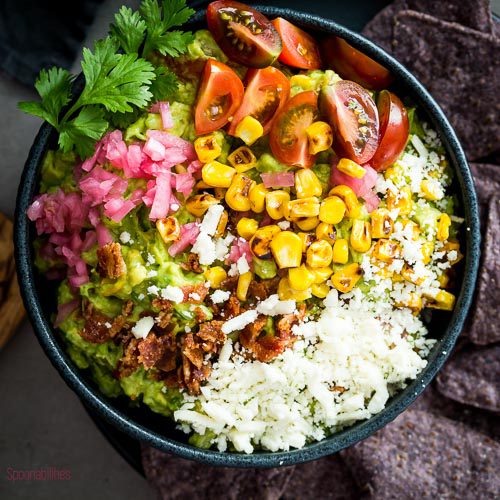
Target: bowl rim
{"points": [[338, 441]]}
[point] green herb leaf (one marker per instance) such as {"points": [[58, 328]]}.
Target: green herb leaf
{"points": [[175, 13], [174, 43], [165, 85], [129, 29]]}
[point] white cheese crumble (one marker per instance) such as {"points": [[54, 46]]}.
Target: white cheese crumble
{"points": [[173, 293], [125, 237], [142, 328], [273, 306], [242, 265], [220, 296], [239, 322], [211, 219]]}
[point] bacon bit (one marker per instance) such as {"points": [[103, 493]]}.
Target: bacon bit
{"points": [[192, 264], [191, 377], [229, 284], [95, 329], [211, 331], [162, 304], [153, 349], [261, 290], [163, 319], [199, 291], [199, 315], [110, 261], [286, 323], [232, 308], [129, 362], [192, 350]]}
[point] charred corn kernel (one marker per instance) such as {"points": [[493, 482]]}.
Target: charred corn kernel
{"points": [[286, 292], [345, 279], [246, 228], [385, 272], [215, 276], [409, 275], [431, 189], [197, 205], [216, 174], [443, 230], [325, 232], [340, 251], [221, 226], [442, 300], [320, 137], [237, 193], [387, 250], [361, 236], [412, 302], [249, 130], [427, 249], [260, 243], [351, 168], [287, 249], [300, 81], [201, 185], [244, 281], [444, 280], [332, 210], [169, 229], [303, 207], [411, 229], [347, 195], [307, 239], [207, 148], [382, 224], [242, 159], [400, 200], [257, 197], [275, 203], [307, 223], [300, 278], [320, 290], [321, 274], [451, 246], [220, 193], [319, 254], [307, 183]]}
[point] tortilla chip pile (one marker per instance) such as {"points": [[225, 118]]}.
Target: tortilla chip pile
{"points": [[447, 445]]}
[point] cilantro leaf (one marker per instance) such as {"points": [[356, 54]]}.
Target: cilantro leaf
{"points": [[165, 84], [129, 29], [173, 43], [175, 13]]}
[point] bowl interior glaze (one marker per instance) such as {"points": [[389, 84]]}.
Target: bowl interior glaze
{"points": [[155, 430]]}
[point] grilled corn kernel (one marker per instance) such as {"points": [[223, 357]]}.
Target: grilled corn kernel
{"points": [[249, 130], [351, 168], [257, 197], [361, 236], [300, 278], [345, 279], [319, 254], [221, 226], [347, 195], [307, 223], [431, 189], [321, 274], [303, 207], [215, 276], [244, 281], [287, 249], [220, 193], [207, 148], [400, 200], [216, 174], [320, 290], [307, 239], [411, 229], [275, 203], [427, 249], [443, 230], [325, 232], [444, 280], [260, 243], [340, 251], [382, 224], [307, 183], [332, 210], [450, 246], [412, 302], [197, 205], [286, 292], [442, 300], [387, 250], [237, 193], [169, 229], [246, 228], [320, 137], [409, 275], [242, 159]]}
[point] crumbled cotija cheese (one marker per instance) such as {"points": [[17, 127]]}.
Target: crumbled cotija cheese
{"points": [[141, 329]]}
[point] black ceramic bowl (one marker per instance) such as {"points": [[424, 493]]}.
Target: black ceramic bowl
{"points": [[158, 431]]}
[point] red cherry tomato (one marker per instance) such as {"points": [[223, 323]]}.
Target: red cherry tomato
{"points": [[394, 127], [351, 64], [219, 96], [353, 115], [300, 50], [245, 35], [288, 140], [267, 91]]}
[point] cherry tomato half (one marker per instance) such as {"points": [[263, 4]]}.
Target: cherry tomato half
{"points": [[267, 91], [300, 50], [288, 140], [394, 127], [219, 96], [351, 64], [353, 115], [245, 35]]}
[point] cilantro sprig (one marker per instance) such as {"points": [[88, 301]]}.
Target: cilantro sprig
{"points": [[119, 78]]}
